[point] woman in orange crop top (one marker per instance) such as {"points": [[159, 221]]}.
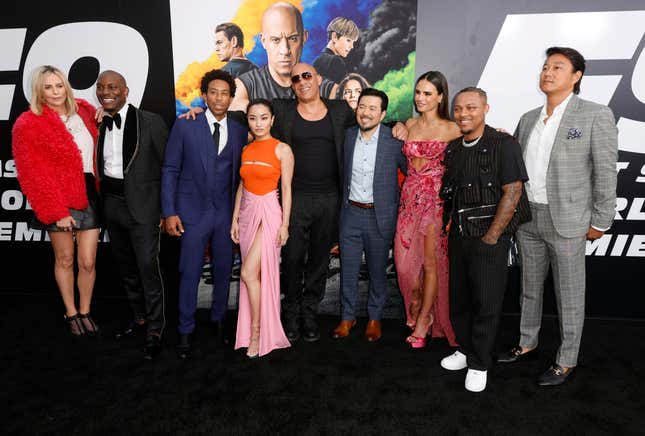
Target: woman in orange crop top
{"points": [[261, 227]]}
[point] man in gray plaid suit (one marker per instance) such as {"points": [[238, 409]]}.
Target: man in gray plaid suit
{"points": [[570, 147]]}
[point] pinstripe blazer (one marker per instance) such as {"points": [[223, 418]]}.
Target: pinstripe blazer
{"points": [[581, 174], [389, 158]]}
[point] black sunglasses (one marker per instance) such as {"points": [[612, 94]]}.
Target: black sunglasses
{"points": [[305, 76]]}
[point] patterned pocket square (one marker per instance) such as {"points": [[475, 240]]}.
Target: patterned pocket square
{"points": [[574, 133]]}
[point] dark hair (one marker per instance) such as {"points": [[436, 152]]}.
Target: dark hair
{"points": [[576, 59], [439, 81], [351, 76], [218, 75], [260, 102], [474, 89], [375, 93], [231, 30]]}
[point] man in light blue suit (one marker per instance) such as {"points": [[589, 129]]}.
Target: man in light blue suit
{"points": [[199, 179], [570, 147], [370, 202]]}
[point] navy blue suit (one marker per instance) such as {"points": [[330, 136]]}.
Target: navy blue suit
{"points": [[369, 230], [199, 186]]}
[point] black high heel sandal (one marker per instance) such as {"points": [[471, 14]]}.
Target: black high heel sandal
{"points": [[75, 325], [89, 325]]}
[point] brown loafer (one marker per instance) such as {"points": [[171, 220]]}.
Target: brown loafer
{"points": [[373, 331], [343, 329]]}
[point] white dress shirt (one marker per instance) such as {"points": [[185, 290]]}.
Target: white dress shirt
{"points": [[83, 140], [223, 129], [538, 151], [364, 162], [113, 148]]}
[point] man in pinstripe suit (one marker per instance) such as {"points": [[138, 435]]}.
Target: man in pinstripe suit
{"points": [[570, 147], [368, 211]]}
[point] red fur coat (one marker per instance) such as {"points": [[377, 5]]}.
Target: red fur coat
{"points": [[48, 162]]}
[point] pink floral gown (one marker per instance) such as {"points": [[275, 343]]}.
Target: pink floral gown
{"points": [[420, 215]]}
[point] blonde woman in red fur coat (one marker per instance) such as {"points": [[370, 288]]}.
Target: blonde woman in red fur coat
{"points": [[54, 150]]}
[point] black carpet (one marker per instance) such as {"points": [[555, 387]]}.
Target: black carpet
{"points": [[53, 384]]}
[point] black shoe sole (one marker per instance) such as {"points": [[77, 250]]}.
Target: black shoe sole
{"points": [[311, 338], [529, 355], [554, 383]]}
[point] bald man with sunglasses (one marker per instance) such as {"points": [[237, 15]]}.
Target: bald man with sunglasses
{"points": [[315, 129]]}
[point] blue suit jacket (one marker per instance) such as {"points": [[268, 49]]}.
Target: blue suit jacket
{"points": [[183, 175], [389, 158]]}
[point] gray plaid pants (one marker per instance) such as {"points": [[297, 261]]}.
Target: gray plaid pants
{"points": [[541, 246]]}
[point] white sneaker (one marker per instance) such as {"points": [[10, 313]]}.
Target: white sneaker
{"points": [[454, 362], [475, 380]]}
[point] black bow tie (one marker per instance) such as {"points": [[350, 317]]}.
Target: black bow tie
{"points": [[110, 121]]}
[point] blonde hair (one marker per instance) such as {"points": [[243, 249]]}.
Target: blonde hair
{"points": [[342, 26], [38, 88]]}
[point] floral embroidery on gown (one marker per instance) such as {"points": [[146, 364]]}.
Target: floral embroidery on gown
{"points": [[420, 214]]}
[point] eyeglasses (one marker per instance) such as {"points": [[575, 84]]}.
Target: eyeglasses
{"points": [[304, 76]]}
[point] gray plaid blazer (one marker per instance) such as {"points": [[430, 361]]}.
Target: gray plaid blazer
{"points": [[581, 176]]}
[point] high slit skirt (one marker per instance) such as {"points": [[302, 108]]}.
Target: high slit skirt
{"points": [[255, 211]]}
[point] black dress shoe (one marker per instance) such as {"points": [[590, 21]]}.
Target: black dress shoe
{"points": [[310, 332], [184, 346], [219, 330], [134, 328], [554, 376], [515, 355], [152, 347], [291, 329]]}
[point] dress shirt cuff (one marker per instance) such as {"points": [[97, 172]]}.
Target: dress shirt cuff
{"points": [[601, 229]]}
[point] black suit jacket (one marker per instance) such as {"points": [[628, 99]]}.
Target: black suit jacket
{"points": [[340, 114], [144, 143]]}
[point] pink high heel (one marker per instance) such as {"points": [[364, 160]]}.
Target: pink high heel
{"points": [[411, 325], [415, 341]]}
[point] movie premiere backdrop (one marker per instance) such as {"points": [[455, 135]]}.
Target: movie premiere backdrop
{"points": [[163, 47]]}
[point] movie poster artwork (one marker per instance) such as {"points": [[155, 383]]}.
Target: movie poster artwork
{"points": [[378, 51], [382, 54]]}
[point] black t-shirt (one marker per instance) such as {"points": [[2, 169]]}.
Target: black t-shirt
{"points": [[314, 151], [260, 84], [237, 67], [330, 65]]}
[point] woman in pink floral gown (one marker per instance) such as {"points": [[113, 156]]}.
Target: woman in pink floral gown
{"points": [[420, 247]]}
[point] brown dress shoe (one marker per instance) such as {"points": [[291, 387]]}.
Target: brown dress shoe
{"points": [[342, 330], [373, 331]]}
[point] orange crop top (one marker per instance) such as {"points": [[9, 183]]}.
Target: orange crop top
{"points": [[258, 177]]}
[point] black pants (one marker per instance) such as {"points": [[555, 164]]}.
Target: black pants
{"points": [[478, 277], [135, 248], [313, 228]]}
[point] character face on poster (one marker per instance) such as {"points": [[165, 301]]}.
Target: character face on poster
{"points": [[365, 37], [348, 43]]}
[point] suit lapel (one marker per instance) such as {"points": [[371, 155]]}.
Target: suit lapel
{"points": [[129, 137], [206, 140], [380, 152], [568, 119], [531, 118]]}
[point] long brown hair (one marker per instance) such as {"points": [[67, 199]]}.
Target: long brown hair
{"points": [[441, 84]]}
